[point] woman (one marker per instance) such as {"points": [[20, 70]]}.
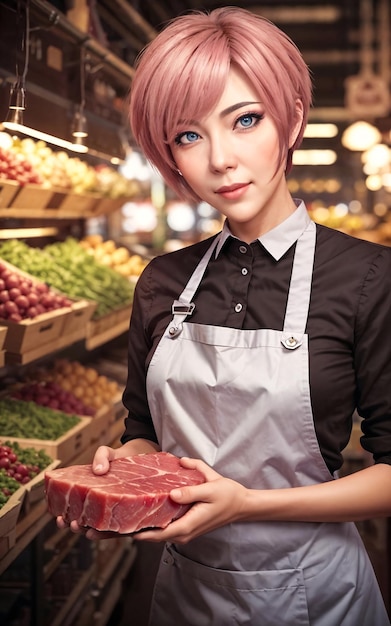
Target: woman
{"points": [[249, 352]]}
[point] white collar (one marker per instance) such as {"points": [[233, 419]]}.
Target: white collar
{"points": [[280, 238]]}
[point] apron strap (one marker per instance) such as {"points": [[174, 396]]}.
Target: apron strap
{"points": [[183, 307], [296, 313]]}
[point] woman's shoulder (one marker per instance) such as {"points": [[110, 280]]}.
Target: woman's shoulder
{"points": [[169, 272], [336, 244], [187, 257]]}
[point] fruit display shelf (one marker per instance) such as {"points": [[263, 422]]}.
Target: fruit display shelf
{"points": [[32, 200], [19, 505], [8, 191], [31, 338], [107, 327]]}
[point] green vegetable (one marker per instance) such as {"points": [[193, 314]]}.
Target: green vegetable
{"points": [[69, 268], [29, 420]]}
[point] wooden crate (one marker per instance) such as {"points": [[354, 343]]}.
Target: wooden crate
{"points": [[31, 197], [105, 206], [101, 324], [3, 334], [100, 426], [35, 488], [66, 447], [80, 203], [78, 317], [107, 327], [28, 334], [117, 426], [9, 515], [8, 191]]}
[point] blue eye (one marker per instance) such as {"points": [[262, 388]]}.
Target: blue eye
{"points": [[248, 120], [187, 137]]}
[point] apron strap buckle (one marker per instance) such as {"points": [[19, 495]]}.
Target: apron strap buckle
{"points": [[180, 311], [182, 308]]}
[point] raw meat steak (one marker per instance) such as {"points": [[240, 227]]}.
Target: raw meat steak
{"points": [[133, 495]]}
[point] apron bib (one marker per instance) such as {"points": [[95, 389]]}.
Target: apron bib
{"points": [[240, 401]]}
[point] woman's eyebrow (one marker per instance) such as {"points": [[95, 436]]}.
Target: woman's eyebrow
{"points": [[224, 112], [236, 106]]}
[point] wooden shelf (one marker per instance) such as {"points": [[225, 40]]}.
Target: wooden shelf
{"points": [[26, 530], [79, 590], [113, 593], [53, 564], [107, 335]]}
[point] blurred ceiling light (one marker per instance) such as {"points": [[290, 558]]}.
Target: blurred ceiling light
{"points": [[386, 180], [37, 134], [321, 130], [19, 233], [360, 136], [378, 156], [374, 182], [314, 157], [180, 217]]}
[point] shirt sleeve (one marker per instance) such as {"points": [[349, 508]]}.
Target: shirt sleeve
{"points": [[373, 358], [138, 423]]}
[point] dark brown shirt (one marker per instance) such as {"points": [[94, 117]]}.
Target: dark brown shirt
{"points": [[349, 324]]}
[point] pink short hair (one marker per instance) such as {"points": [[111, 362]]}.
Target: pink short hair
{"points": [[182, 73]]}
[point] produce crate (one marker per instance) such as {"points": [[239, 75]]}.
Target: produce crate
{"points": [[109, 205], [8, 191], [32, 338], [108, 326], [66, 447], [117, 426], [9, 515], [28, 335], [31, 197], [35, 488], [100, 426], [80, 203], [78, 317]]}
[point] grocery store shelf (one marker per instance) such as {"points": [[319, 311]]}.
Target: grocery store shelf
{"points": [[26, 530], [78, 591], [60, 555], [121, 564], [110, 333], [40, 214]]}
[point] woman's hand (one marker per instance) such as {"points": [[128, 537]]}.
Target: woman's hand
{"points": [[216, 502]]}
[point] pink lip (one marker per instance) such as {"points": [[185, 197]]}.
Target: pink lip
{"points": [[232, 191]]}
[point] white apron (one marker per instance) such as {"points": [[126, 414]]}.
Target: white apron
{"points": [[240, 400]]}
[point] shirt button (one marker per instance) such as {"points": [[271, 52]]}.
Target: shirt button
{"points": [[238, 308], [242, 249], [244, 271]]}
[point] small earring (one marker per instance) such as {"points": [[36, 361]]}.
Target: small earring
{"points": [[179, 172]]}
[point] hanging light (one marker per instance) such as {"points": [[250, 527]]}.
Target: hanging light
{"points": [[79, 123], [17, 100]]}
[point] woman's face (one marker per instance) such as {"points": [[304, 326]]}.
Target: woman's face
{"points": [[230, 159]]}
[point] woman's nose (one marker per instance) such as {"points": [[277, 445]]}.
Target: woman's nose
{"points": [[222, 155]]}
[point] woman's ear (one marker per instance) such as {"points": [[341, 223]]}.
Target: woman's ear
{"points": [[298, 122]]}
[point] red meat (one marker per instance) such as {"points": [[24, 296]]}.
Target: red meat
{"points": [[133, 495]]}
